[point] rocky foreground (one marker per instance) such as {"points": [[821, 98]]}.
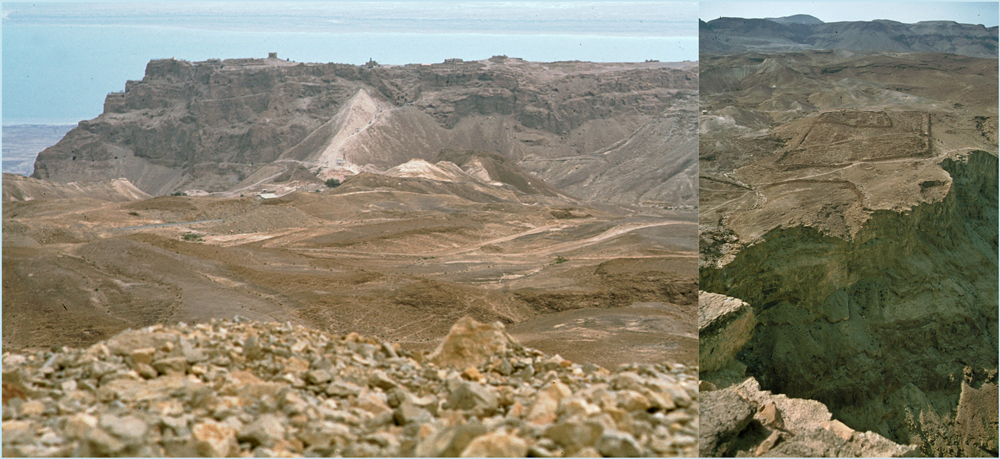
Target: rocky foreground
{"points": [[241, 388]]}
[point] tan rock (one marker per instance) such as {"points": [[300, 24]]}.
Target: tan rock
{"points": [[79, 424], [17, 432], [472, 374], [212, 439], [296, 365], [32, 408], [630, 400], [470, 344], [372, 401], [516, 411], [770, 416], [496, 444], [768, 443], [171, 365], [142, 355], [840, 429], [577, 407], [546, 406]]}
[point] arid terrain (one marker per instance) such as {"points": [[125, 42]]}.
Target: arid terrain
{"points": [[848, 211], [554, 198]]}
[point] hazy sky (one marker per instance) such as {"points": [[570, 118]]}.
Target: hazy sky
{"points": [[986, 13], [63, 58]]}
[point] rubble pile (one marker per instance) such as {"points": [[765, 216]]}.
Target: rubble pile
{"points": [[744, 421], [237, 388]]}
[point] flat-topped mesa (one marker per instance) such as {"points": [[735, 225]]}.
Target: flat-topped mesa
{"points": [[211, 125]]}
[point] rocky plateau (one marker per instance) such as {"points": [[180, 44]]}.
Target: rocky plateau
{"points": [[594, 131]]}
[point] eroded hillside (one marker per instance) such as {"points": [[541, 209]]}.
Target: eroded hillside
{"points": [[238, 124]]}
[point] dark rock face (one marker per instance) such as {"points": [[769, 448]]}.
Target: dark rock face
{"points": [[726, 35], [210, 125], [848, 261]]}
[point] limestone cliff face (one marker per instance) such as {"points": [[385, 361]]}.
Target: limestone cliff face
{"points": [[881, 327], [210, 125]]}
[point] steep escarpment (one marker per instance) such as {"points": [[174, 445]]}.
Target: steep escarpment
{"points": [[235, 124], [895, 329]]}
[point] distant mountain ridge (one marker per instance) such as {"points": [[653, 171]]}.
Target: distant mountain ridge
{"points": [[800, 32], [797, 19]]}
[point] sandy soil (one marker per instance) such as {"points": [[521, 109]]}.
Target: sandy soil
{"points": [[397, 258]]}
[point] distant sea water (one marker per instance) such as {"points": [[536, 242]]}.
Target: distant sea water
{"points": [[22, 143], [61, 74]]}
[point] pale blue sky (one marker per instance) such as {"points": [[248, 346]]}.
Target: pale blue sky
{"points": [[63, 58], [986, 13]]}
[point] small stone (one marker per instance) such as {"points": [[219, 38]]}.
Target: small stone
{"points": [[474, 397], [102, 443], [765, 446], [627, 380], [32, 408], [169, 365], [503, 367], [318, 376], [381, 380], [389, 350], [325, 434], [371, 401], [407, 412], [577, 407], [618, 444], [212, 439], [191, 353], [496, 444], [17, 432], [545, 408], [574, 435], [342, 389], [293, 403], [538, 451], [146, 371], [839, 429], [130, 429], [472, 374], [296, 366], [265, 431], [589, 451], [516, 411], [79, 424], [450, 441], [658, 401], [630, 400], [770, 416]]}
